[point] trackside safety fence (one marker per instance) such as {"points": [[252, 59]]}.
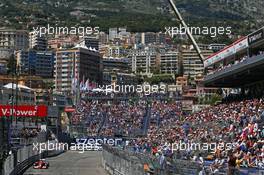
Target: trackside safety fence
{"points": [[122, 162], [21, 159], [117, 161]]}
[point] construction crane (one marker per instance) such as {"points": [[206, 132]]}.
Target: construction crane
{"points": [[189, 34]]}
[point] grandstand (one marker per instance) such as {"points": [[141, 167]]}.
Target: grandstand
{"points": [[240, 64], [108, 118], [236, 122], [150, 129]]}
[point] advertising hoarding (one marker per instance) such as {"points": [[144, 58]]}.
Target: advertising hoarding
{"points": [[23, 111]]}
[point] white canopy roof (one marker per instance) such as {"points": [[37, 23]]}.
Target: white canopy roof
{"points": [[98, 90], [9, 86]]}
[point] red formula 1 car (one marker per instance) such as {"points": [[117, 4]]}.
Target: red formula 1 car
{"points": [[41, 164]]}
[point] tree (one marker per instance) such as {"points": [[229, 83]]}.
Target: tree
{"points": [[210, 99], [155, 70], [165, 78]]}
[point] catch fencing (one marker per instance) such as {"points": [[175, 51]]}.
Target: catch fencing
{"points": [[18, 158], [17, 162], [117, 161], [122, 162]]}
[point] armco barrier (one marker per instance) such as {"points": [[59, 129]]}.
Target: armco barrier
{"points": [[23, 166], [25, 157], [17, 157], [8, 165]]}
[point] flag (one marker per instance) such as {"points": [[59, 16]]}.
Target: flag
{"points": [[82, 85], [75, 77], [73, 82], [93, 85], [87, 88]]}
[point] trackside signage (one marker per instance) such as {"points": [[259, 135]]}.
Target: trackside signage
{"points": [[98, 141], [256, 36], [23, 111], [69, 109]]}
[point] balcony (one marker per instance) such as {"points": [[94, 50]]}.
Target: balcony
{"points": [[247, 71]]}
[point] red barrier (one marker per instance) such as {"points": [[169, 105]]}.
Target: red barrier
{"points": [[69, 109]]}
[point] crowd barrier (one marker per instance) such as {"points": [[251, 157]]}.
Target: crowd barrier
{"points": [[239, 171], [251, 171], [120, 162], [117, 161]]}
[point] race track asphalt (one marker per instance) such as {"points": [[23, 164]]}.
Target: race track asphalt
{"points": [[72, 163]]}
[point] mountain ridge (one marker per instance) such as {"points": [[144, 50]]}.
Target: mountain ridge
{"points": [[136, 15]]}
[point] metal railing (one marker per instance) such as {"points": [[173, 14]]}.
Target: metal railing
{"points": [[239, 66], [17, 162], [41, 137], [128, 97], [124, 162]]}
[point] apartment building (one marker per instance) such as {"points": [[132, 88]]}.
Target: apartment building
{"points": [[74, 65]]}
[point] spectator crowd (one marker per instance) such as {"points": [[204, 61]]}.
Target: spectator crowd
{"points": [[25, 133], [110, 119], [238, 124], [235, 62]]}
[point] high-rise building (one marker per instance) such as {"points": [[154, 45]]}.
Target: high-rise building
{"points": [[117, 70], [3, 69], [113, 33], [161, 38], [143, 61], [37, 42], [150, 38], [123, 33], [41, 63], [91, 42], [74, 65], [122, 29], [14, 39], [103, 38], [169, 62], [192, 65], [116, 51], [118, 64], [65, 42], [138, 38], [22, 61], [33, 62], [11, 40]]}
